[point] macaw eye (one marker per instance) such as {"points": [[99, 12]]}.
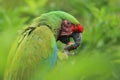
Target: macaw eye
{"points": [[68, 24]]}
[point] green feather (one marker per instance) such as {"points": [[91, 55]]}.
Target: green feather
{"points": [[30, 53]]}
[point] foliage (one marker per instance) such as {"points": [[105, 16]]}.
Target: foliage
{"points": [[98, 57]]}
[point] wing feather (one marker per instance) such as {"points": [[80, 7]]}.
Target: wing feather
{"points": [[33, 49]]}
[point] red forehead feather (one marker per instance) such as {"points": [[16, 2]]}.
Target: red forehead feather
{"points": [[77, 28], [81, 29]]}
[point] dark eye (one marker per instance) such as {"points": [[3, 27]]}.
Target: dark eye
{"points": [[68, 24]]}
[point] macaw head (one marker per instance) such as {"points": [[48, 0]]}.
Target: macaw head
{"points": [[67, 28], [62, 24], [57, 19]]}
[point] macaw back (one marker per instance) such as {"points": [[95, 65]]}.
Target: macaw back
{"points": [[34, 50]]}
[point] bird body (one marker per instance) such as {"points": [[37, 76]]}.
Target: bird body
{"points": [[35, 49], [28, 53]]}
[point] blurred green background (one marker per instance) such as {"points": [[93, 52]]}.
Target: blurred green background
{"points": [[98, 57]]}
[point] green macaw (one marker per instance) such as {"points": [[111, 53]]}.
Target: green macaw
{"points": [[35, 49]]}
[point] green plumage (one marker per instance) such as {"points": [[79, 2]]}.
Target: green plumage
{"points": [[35, 48], [29, 53]]}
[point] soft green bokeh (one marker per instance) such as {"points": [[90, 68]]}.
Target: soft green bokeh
{"points": [[98, 57]]}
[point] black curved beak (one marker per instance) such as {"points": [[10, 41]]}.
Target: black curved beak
{"points": [[77, 39]]}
